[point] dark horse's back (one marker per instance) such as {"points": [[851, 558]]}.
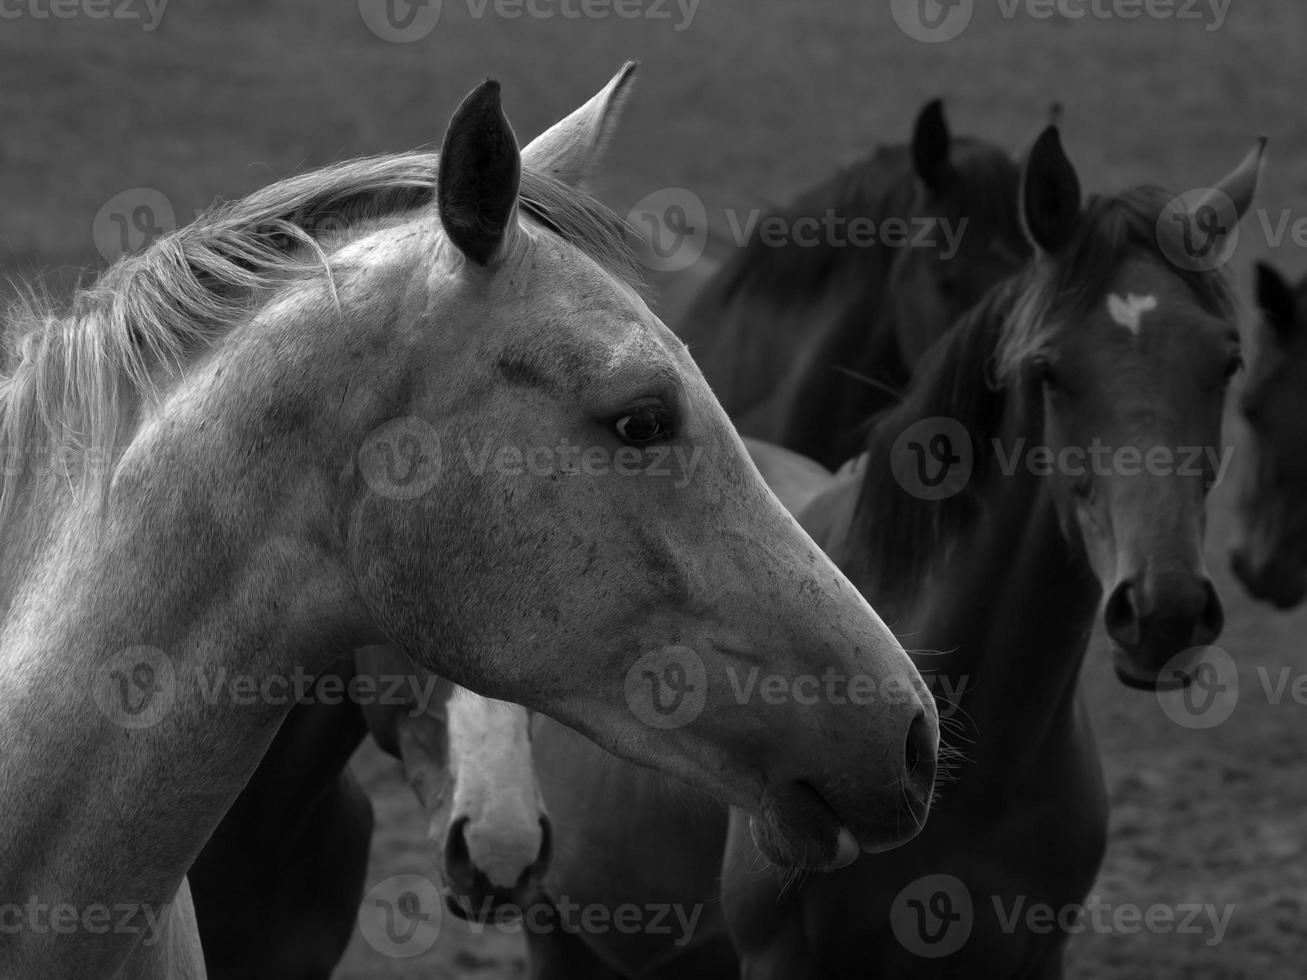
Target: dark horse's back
{"points": [[781, 331], [814, 325]]}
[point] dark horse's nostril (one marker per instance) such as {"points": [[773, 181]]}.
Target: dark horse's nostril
{"points": [[1121, 616], [1179, 613], [1212, 620]]}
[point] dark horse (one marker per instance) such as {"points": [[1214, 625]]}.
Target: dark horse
{"points": [[1270, 557], [1059, 421], [806, 337], [278, 885]]}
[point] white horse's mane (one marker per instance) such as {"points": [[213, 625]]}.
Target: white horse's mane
{"points": [[69, 377]]}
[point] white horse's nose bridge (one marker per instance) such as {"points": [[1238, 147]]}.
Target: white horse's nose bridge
{"points": [[495, 786], [505, 839]]}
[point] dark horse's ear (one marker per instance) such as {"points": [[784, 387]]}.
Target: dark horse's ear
{"points": [[480, 170], [1276, 300], [1050, 194], [930, 145]]}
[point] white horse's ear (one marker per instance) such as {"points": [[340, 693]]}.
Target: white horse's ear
{"points": [[477, 182], [1240, 184], [571, 149]]}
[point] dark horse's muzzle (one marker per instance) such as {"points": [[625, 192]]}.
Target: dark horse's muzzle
{"points": [[1153, 623]]}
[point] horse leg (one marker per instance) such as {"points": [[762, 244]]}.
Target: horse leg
{"points": [[285, 910], [326, 877], [277, 886]]}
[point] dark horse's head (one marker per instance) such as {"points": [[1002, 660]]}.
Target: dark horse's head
{"points": [[1100, 372], [1270, 556], [964, 191], [957, 198], [805, 337], [1131, 344], [1125, 339]]}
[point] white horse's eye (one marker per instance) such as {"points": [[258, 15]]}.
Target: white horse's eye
{"points": [[644, 425]]}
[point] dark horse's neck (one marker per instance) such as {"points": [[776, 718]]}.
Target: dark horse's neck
{"points": [[1010, 612], [984, 583]]}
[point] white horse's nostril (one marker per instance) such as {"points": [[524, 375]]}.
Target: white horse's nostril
{"points": [[459, 869]]}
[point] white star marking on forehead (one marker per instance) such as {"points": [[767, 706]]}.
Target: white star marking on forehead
{"points": [[1129, 312]]}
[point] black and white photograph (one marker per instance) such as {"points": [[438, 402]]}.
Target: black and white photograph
{"points": [[653, 490]]}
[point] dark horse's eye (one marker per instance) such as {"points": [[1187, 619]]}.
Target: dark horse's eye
{"points": [[644, 425], [1233, 366]]}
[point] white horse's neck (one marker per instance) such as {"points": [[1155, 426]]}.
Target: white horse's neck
{"points": [[226, 565]]}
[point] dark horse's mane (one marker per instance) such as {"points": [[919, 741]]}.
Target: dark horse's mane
{"points": [[882, 186], [975, 368], [791, 275]]}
